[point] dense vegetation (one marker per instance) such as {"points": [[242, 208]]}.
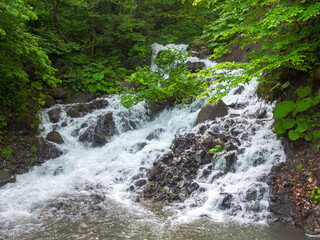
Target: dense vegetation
{"points": [[85, 45], [91, 46]]}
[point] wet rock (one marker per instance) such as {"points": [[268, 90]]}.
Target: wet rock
{"points": [[98, 104], [251, 194], [50, 151], [6, 177], [194, 66], [261, 113], [140, 182], [87, 135], [254, 207], [239, 90], [258, 161], [108, 127], [226, 202], [139, 146], [49, 101], [54, 115], [39, 143], [277, 167], [231, 158], [209, 112], [27, 123], [99, 140], [73, 113], [55, 137], [58, 171], [59, 93], [155, 134]]}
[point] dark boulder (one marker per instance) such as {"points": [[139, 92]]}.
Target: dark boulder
{"points": [[251, 194], [231, 158], [194, 66], [210, 112], [73, 113], [6, 177], [239, 90], [39, 143], [226, 202], [59, 93], [55, 137], [54, 115], [261, 113], [99, 140], [27, 123], [155, 134], [49, 101]]}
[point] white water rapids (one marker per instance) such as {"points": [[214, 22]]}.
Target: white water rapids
{"points": [[109, 170]]}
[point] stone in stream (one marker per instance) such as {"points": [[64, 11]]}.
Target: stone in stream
{"points": [[6, 177], [194, 66], [55, 137], [226, 202], [54, 115], [210, 112], [155, 134]]}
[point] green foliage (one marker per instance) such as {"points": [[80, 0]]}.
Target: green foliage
{"points": [[169, 84], [34, 149], [217, 148], [21, 59], [6, 152], [299, 117], [315, 194], [300, 167], [287, 29], [98, 76]]}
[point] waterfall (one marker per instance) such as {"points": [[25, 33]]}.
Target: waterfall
{"points": [[111, 168]]}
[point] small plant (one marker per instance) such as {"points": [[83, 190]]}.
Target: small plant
{"points": [[299, 117], [6, 152], [217, 148], [315, 194], [300, 167], [34, 149]]}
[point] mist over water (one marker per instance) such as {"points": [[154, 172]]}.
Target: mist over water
{"points": [[84, 193]]}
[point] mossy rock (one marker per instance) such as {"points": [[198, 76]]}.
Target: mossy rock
{"points": [[59, 93], [55, 136], [6, 177], [27, 123], [197, 45], [49, 101]]}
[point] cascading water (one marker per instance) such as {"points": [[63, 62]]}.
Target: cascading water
{"points": [[93, 182]]}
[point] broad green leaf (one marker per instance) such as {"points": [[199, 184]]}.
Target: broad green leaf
{"points": [[98, 76], [294, 135], [303, 91], [303, 105], [288, 123], [282, 109], [303, 124], [308, 137], [279, 127], [37, 85]]}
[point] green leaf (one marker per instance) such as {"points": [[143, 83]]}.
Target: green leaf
{"points": [[37, 85], [308, 137], [294, 135], [303, 91], [302, 124], [288, 123], [98, 76], [282, 109], [303, 105]]}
